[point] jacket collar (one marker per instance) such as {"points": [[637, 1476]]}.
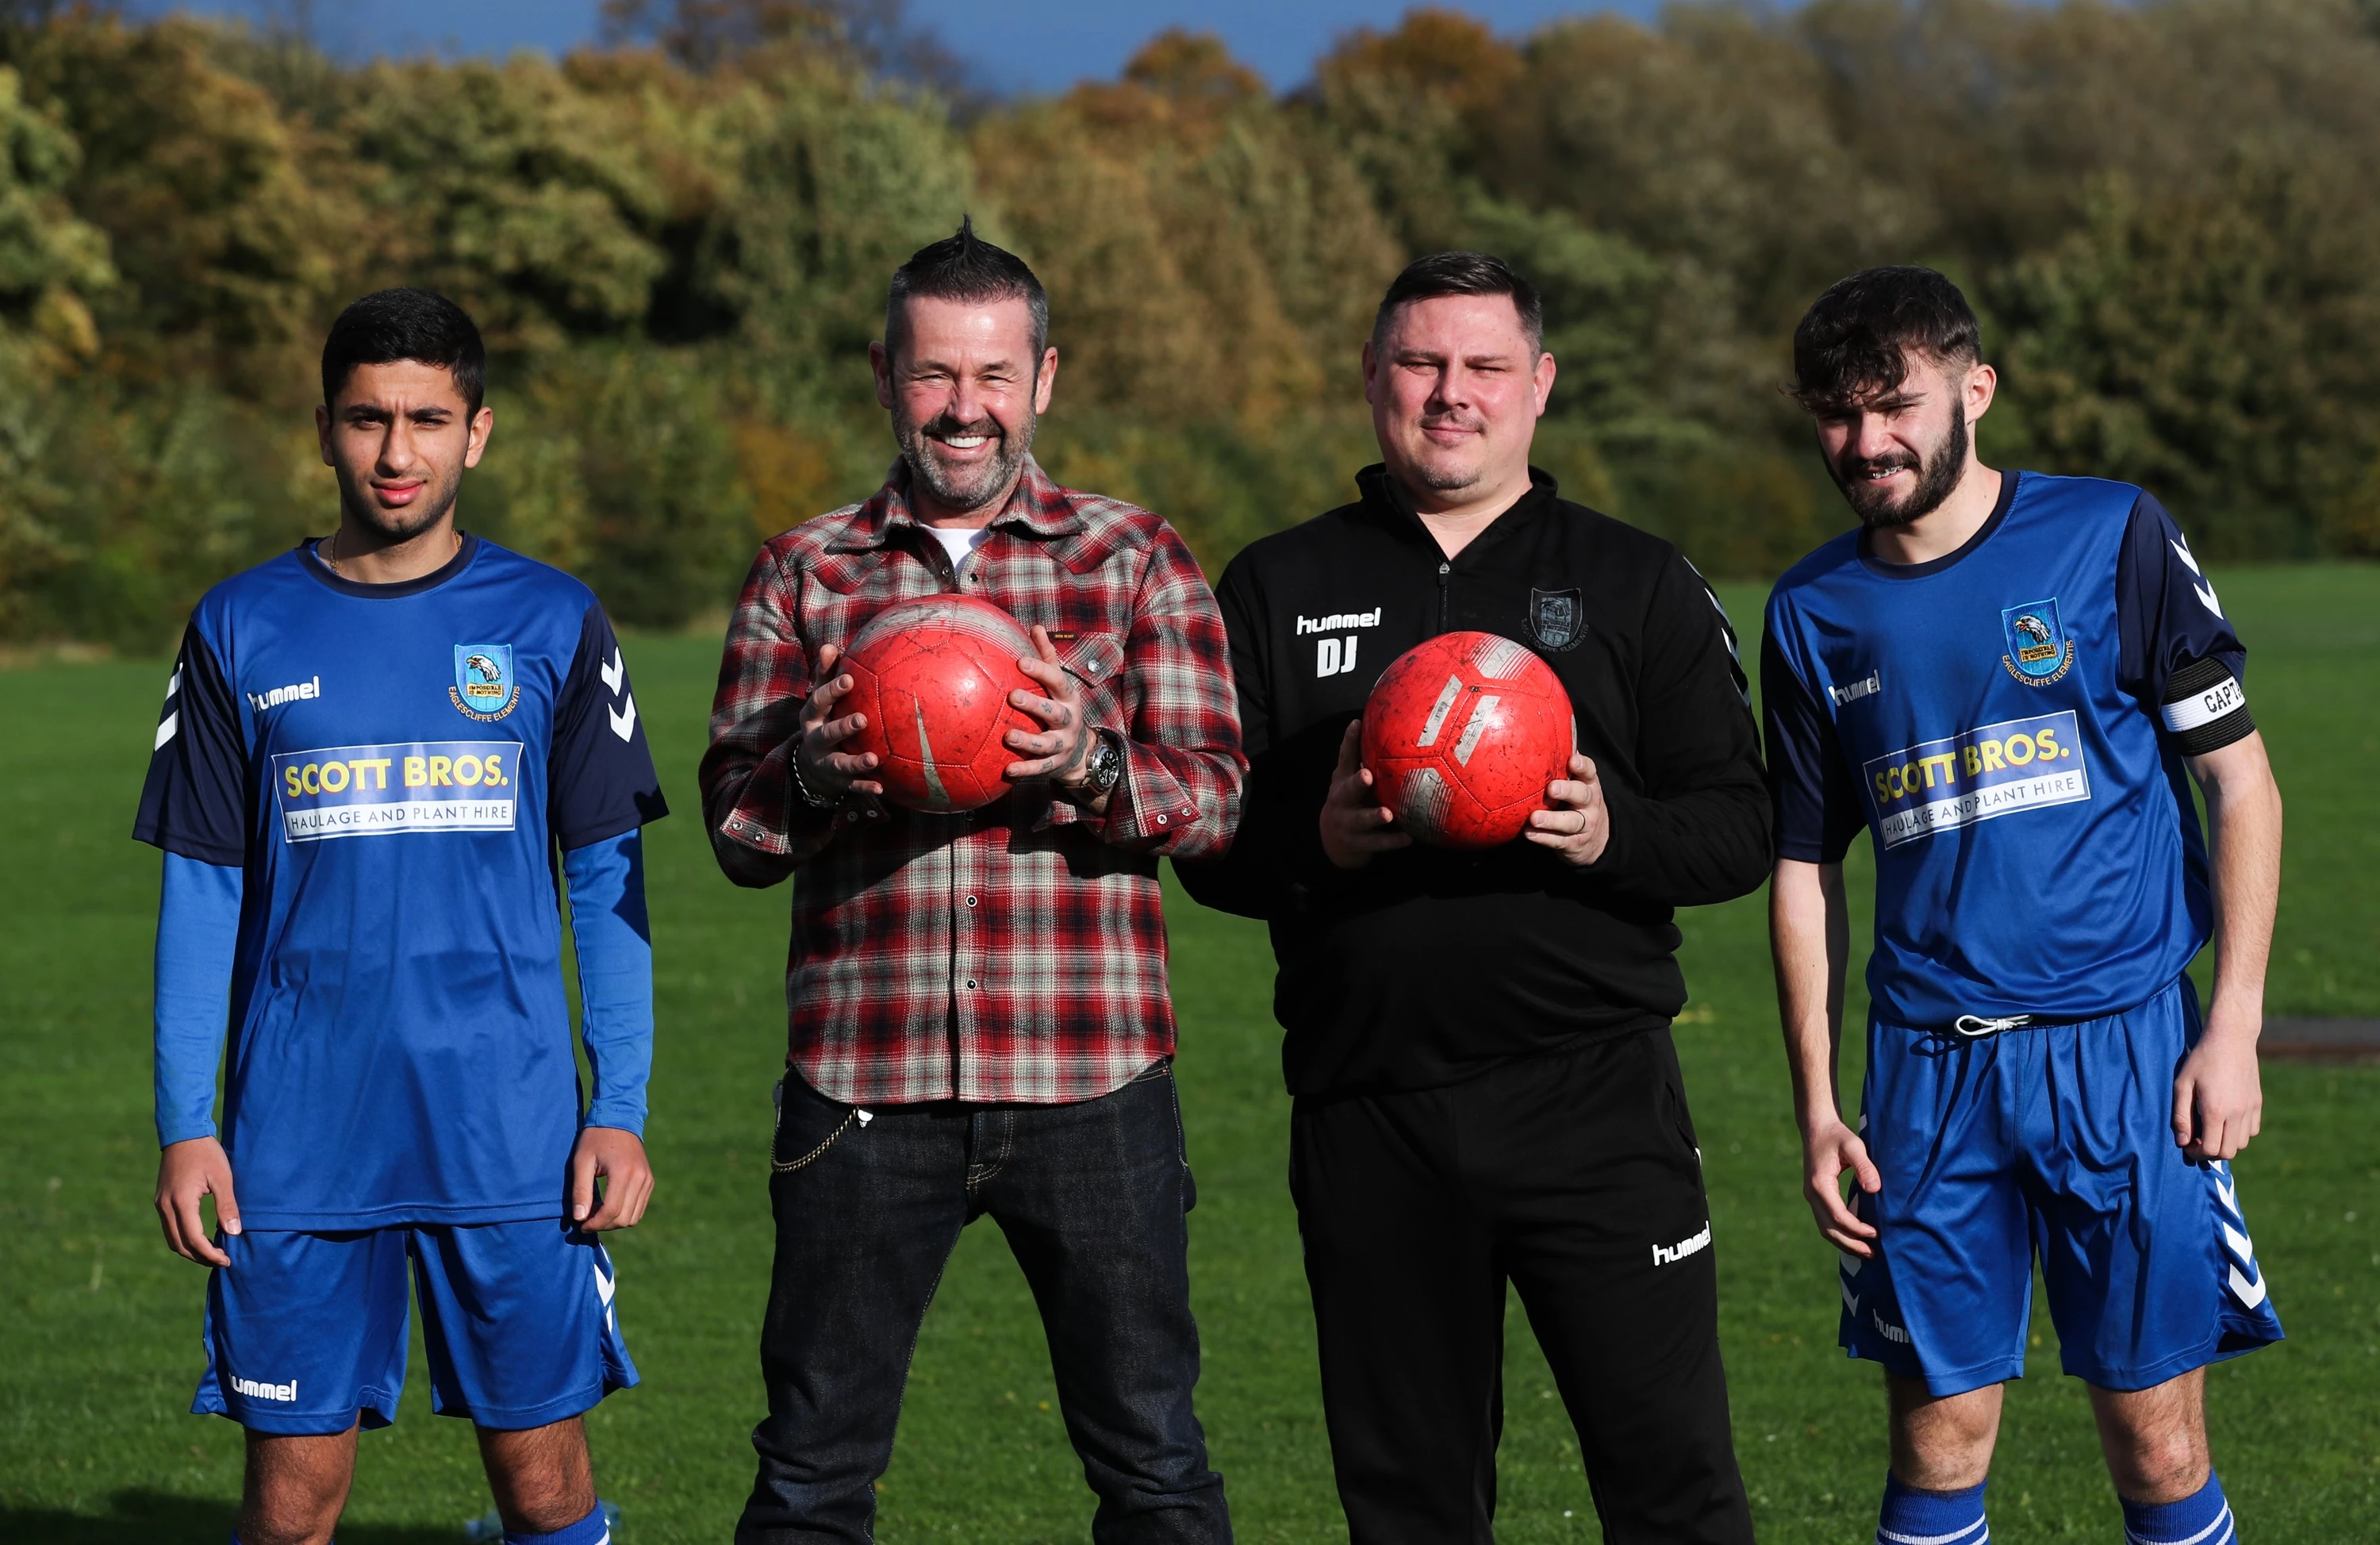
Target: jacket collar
{"points": [[1388, 500], [1038, 507]]}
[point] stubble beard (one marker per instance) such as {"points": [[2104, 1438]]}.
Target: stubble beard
{"points": [[966, 491], [1449, 477], [395, 527], [1937, 477]]}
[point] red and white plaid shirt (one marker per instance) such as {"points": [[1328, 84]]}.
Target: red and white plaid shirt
{"points": [[1014, 952]]}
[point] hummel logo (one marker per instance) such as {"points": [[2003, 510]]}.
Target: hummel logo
{"points": [[1852, 692], [2206, 592], [615, 675], [173, 720], [302, 691], [1664, 1254], [1338, 621], [256, 1391]]}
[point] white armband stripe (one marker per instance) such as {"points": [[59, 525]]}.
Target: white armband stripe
{"points": [[2225, 697]]}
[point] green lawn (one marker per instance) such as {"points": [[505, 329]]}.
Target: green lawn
{"points": [[99, 1325]]}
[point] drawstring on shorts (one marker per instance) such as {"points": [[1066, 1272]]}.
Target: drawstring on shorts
{"points": [[1975, 1027], [1971, 1029]]}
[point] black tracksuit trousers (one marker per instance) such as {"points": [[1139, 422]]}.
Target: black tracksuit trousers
{"points": [[1576, 1177]]}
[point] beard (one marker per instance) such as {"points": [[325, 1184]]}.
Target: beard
{"points": [[963, 488], [1937, 475], [401, 525]]}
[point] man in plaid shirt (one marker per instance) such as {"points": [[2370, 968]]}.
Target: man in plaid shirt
{"points": [[977, 1000]]}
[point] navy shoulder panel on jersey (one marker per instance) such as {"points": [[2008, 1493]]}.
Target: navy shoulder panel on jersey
{"points": [[1816, 807], [601, 773], [195, 799], [2178, 651]]}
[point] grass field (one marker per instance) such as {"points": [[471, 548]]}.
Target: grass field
{"points": [[99, 1325]]}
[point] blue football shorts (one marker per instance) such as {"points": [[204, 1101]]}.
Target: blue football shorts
{"points": [[2054, 1141], [306, 1333]]}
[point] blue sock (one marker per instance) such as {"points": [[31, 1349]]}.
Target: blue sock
{"points": [[2202, 1518], [1912, 1518], [593, 1529]]}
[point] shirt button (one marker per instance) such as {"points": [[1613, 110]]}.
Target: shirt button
{"points": [[1160, 820], [970, 901], [970, 984]]}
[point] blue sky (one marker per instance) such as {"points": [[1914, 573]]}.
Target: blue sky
{"points": [[1022, 46]]}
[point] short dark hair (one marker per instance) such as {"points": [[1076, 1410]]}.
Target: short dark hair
{"points": [[392, 325], [1462, 273], [1854, 340], [963, 266]]}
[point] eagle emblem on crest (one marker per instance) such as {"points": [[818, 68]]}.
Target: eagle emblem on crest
{"points": [[2039, 651], [484, 686]]}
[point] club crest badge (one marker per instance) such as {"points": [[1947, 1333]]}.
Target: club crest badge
{"points": [[1557, 618], [2039, 653], [484, 688]]}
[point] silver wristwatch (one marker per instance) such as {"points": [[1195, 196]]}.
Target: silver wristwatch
{"points": [[1105, 767]]}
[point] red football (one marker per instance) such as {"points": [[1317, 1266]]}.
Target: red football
{"points": [[1462, 734], [933, 678]]}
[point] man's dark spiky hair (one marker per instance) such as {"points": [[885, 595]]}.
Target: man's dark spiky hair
{"points": [[964, 266], [392, 325], [1443, 273], [1854, 342]]}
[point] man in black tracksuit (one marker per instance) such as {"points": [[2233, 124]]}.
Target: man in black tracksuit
{"points": [[1478, 1042]]}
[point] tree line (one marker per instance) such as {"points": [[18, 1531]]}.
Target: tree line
{"points": [[677, 243]]}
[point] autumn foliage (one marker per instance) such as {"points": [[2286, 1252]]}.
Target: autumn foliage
{"points": [[677, 244]]}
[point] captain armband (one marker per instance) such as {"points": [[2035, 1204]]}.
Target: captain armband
{"points": [[2205, 707]]}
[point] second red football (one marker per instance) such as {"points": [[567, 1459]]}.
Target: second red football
{"points": [[1462, 734]]}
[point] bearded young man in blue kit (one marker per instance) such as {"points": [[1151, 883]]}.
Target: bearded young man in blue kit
{"points": [[2009, 681], [371, 748]]}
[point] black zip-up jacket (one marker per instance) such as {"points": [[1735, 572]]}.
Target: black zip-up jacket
{"points": [[1428, 966]]}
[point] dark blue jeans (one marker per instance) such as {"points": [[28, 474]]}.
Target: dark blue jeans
{"points": [[1091, 1198]]}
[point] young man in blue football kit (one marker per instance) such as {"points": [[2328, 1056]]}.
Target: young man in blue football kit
{"points": [[372, 748], [2009, 680]]}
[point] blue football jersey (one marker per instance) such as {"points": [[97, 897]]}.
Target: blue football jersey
{"points": [[2008, 722], [394, 768]]}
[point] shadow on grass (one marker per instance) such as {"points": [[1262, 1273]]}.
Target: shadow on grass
{"points": [[144, 1517]]}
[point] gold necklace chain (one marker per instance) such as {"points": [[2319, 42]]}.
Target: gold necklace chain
{"points": [[329, 548]]}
